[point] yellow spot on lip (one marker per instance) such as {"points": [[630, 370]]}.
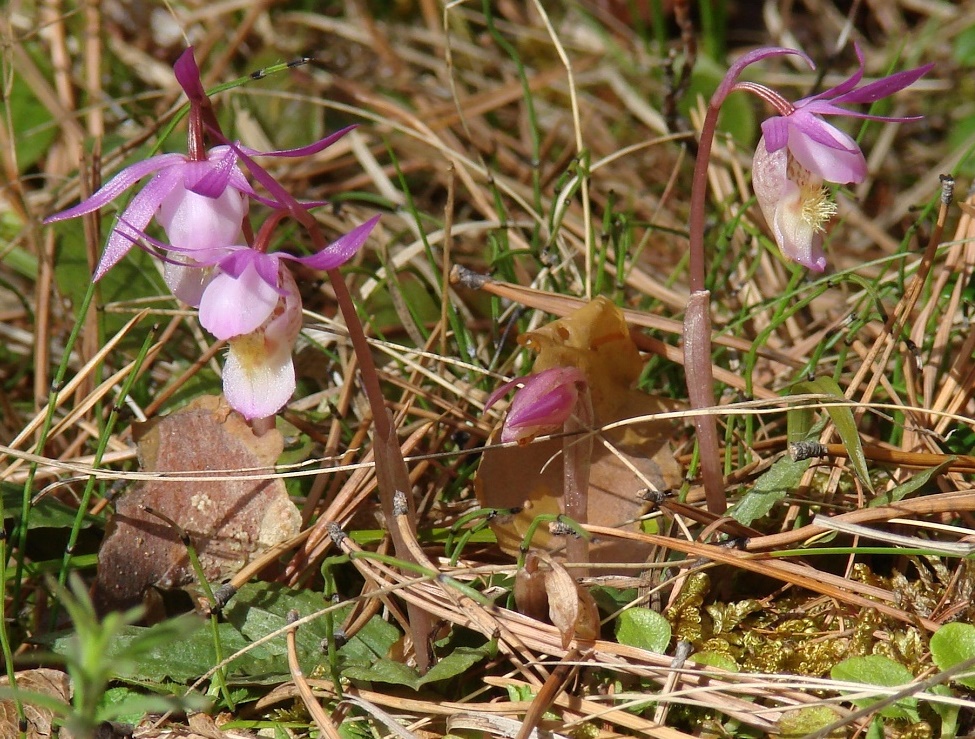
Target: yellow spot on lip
{"points": [[250, 350], [817, 208]]}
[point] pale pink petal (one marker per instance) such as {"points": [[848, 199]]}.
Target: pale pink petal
{"points": [[826, 151], [259, 376], [543, 404], [193, 221], [233, 306], [187, 282], [257, 384]]}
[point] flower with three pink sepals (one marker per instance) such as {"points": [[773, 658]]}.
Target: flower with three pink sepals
{"points": [[799, 152], [245, 295], [541, 405], [200, 199], [249, 298]]}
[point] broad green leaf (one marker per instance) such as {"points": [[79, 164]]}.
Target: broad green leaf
{"points": [[128, 706], [389, 671], [875, 669], [907, 487], [715, 659], [177, 650], [804, 721], [954, 643], [843, 420], [778, 481], [47, 513], [643, 628]]}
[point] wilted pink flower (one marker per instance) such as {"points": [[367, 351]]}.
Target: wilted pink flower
{"points": [[199, 199], [799, 152], [542, 404]]}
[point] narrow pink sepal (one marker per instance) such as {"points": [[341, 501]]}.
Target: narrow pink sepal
{"points": [[339, 251]]}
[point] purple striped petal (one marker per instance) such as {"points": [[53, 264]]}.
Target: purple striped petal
{"points": [[211, 178], [776, 132], [735, 70], [188, 76], [884, 87], [135, 218], [828, 153], [852, 81], [303, 151]]}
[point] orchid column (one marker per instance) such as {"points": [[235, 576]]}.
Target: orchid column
{"points": [[798, 153]]}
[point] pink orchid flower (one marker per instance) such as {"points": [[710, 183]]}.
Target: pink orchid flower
{"points": [[249, 298], [246, 285], [799, 152], [541, 405], [200, 199]]}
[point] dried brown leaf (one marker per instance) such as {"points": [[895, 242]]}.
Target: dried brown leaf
{"points": [[227, 520], [53, 683]]}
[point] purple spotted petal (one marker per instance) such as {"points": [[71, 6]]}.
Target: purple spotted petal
{"points": [[781, 202], [234, 306], [117, 185]]}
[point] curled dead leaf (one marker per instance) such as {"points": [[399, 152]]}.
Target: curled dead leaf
{"points": [[625, 461], [543, 587], [40, 719]]}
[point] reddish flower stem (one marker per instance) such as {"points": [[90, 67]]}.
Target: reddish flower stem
{"points": [[697, 326]]}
